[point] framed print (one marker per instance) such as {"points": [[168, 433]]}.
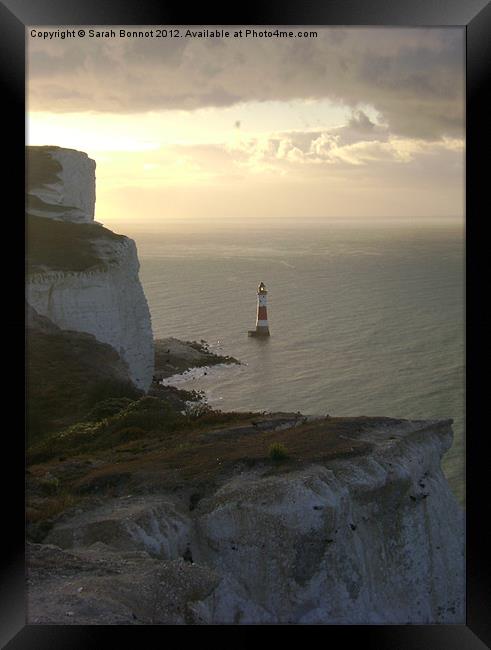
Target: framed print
{"points": [[252, 321]]}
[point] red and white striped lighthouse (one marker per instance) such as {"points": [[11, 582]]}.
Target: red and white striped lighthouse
{"points": [[262, 325]]}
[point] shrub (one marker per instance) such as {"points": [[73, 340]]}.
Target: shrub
{"points": [[277, 451], [107, 408], [127, 434], [106, 389], [49, 484], [197, 410], [143, 416], [147, 413]]}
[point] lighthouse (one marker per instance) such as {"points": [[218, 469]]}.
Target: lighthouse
{"points": [[262, 326]]}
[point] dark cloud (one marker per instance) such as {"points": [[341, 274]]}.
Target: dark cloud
{"points": [[360, 121], [413, 77]]}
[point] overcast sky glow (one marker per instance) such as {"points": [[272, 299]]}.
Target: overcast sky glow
{"points": [[356, 122]]}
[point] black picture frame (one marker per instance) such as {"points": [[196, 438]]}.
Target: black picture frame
{"points": [[475, 17]]}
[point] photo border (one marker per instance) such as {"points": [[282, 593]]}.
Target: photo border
{"points": [[475, 17]]}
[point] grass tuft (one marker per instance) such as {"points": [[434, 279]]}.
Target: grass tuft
{"points": [[277, 451]]}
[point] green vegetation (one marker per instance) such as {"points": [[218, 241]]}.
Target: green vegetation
{"points": [[64, 246], [113, 422], [148, 445], [111, 388], [107, 408], [277, 451], [80, 398], [49, 485], [92, 433], [68, 375], [119, 420]]}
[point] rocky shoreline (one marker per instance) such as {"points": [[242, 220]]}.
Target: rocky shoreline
{"points": [[173, 357]]}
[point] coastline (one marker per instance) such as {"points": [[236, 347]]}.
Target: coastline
{"points": [[174, 357]]}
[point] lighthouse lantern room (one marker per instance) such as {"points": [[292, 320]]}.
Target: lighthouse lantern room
{"points": [[262, 325]]}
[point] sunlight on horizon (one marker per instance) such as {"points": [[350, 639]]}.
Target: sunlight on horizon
{"points": [[321, 129]]}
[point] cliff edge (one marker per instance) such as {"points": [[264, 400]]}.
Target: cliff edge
{"points": [[356, 526]]}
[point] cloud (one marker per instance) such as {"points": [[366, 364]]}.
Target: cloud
{"points": [[360, 121], [414, 77], [342, 149]]}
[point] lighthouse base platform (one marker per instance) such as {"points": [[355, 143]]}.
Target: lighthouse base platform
{"points": [[259, 331]]}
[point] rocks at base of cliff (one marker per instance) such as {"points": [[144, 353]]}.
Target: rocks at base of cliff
{"points": [[173, 357]]}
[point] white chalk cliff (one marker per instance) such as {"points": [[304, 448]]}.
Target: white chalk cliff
{"points": [[372, 539], [377, 539], [61, 184], [106, 299]]}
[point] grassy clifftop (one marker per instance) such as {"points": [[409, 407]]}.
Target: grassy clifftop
{"points": [[63, 246]]}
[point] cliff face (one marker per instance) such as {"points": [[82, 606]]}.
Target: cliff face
{"points": [[376, 538], [96, 288], [108, 303], [60, 184], [372, 540]]}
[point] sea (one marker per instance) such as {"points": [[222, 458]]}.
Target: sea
{"points": [[366, 315]]}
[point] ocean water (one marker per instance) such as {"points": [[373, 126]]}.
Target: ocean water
{"points": [[366, 318]]}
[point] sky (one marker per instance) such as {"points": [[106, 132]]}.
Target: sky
{"points": [[353, 122]]}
